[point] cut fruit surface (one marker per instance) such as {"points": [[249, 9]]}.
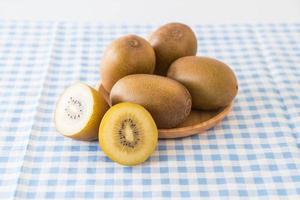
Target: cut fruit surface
{"points": [[79, 111], [128, 134]]}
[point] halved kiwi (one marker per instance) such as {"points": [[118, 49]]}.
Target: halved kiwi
{"points": [[128, 134], [79, 111]]}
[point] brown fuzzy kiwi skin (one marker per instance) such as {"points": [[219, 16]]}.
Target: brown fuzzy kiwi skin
{"points": [[103, 92], [168, 101], [126, 55], [170, 42], [211, 83], [90, 132]]}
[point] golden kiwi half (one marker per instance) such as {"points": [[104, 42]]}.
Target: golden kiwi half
{"points": [[128, 134], [79, 111]]}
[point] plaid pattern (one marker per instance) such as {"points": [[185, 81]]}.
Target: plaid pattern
{"points": [[253, 153]]}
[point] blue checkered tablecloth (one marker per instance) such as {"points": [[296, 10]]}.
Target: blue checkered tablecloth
{"points": [[254, 153]]}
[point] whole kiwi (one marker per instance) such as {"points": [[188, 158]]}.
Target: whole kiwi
{"points": [[126, 55], [211, 83], [168, 101], [172, 41]]}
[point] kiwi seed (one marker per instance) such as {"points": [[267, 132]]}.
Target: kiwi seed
{"points": [[121, 131]]}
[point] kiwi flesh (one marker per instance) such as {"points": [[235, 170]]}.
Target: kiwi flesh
{"points": [[170, 42], [128, 134], [79, 111], [211, 83], [126, 55], [168, 101]]}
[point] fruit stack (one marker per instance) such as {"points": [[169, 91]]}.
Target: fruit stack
{"points": [[151, 84]]}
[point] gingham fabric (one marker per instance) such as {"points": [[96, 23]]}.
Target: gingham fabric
{"points": [[253, 153]]}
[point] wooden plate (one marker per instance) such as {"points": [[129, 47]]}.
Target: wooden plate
{"points": [[198, 123]]}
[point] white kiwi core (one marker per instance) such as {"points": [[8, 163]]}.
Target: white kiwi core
{"points": [[74, 109]]}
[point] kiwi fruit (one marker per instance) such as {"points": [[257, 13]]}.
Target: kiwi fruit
{"points": [[126, 55], [99, 87], [79, 111], [170, 42], [168, 101], [211, 83], [128, 134]]}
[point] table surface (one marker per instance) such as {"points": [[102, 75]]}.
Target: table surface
{"points": [[254, 152]]}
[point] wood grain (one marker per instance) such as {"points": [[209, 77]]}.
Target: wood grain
{"points": [[196, 128]]}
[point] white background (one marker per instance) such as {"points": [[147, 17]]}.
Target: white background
{"points": [[153, 11]]}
